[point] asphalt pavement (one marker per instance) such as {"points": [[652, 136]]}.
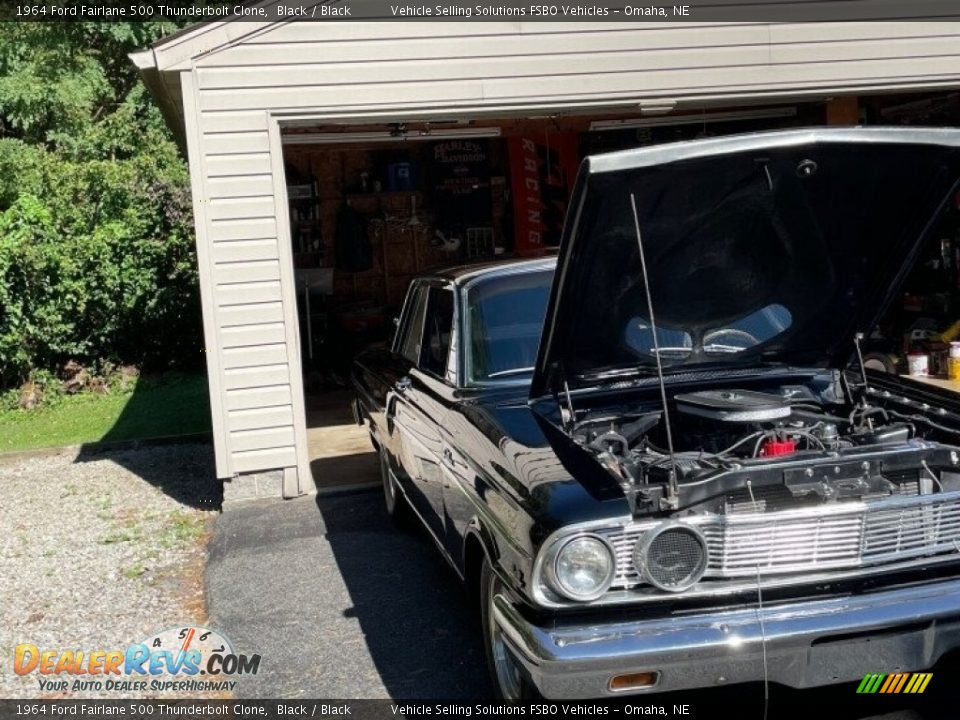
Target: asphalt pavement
{"points": [[341, 604]]}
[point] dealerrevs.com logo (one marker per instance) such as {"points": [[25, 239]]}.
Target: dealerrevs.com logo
{"points": [[187, 659]]}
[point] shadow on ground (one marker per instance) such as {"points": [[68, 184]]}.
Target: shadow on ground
{"points": [[176, 411], [192, 482], [340, 603], [346, 471], [341, 455], [418, 625]]}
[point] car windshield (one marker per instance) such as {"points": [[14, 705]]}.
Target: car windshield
{"points": [[504, 318], [734, 337]]}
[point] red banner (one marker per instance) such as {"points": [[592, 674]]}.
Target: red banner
{"points": [[541, 177]]}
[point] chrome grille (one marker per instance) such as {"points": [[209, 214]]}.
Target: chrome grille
{"points": [[825, 537]]}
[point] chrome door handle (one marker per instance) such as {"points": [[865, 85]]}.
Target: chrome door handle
{"points": [[403, 384]]}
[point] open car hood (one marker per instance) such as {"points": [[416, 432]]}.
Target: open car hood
{"points": [[773, 248]]}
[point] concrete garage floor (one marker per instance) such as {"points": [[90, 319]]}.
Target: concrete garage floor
{"points": [[341, 456], [341, 604]]}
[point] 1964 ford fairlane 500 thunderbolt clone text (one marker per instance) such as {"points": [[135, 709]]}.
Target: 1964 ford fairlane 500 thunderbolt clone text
{"points": [[657, 460]]}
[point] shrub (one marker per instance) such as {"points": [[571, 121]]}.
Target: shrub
{"points": [[96, 243]]}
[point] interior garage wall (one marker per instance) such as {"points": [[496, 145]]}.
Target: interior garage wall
{"points": [[234, 96]]}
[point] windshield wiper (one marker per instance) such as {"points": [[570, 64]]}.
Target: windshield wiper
{"points": [[721, 348], [759, 364], [712, 347], [668, 349], [511, 371]]}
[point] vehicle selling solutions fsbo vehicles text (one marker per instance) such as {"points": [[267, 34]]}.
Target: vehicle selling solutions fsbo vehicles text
{"points": [[534, 11]]}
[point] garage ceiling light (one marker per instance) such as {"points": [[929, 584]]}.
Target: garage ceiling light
{"points": [[657, 107], [336, 138], [693, 119]]}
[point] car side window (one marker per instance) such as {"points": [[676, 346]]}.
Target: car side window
{"points": [[412, 329], [437, 331]]}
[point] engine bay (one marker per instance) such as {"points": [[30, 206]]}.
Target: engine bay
{"points": [[750, 450]]}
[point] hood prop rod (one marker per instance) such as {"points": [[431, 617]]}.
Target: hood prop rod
{"points": [[857, 339], [672, 497], [863, 402]]}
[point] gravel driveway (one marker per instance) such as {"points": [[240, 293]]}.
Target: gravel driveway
{"points": [[100, 550]]}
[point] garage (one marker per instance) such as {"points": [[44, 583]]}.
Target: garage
{"points": [[333, 162]]}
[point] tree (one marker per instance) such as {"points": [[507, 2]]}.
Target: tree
{"points": [[96, 245]]}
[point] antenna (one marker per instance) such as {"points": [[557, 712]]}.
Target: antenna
{"points": [[672, 487]]}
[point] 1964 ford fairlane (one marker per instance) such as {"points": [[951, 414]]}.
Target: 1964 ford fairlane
{"points": [[657, 459]]}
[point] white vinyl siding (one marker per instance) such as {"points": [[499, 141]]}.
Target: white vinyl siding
{"points": [[387, 72]]}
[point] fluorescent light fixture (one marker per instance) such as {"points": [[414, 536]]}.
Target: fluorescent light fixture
{"points": [[337, 138], [693, 119], [657, 107]]}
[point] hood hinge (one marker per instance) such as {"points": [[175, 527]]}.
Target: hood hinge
{"points": [[560, 389]]}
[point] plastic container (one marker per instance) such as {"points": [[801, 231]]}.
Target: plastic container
{"points": [[953, 368], [918, 365]]}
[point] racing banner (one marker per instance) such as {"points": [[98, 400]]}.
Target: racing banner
{"points": [[542, 172]]}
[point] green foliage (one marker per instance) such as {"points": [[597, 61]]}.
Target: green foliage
{"points": [[96, 240]]}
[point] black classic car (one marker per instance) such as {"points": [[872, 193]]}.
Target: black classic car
{"points": [[657, 459]]}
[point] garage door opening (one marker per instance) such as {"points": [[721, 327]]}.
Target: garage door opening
{"points": [[371, 207]]}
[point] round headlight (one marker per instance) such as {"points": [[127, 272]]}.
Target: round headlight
{"points": [[672, 556], [583, 568]]}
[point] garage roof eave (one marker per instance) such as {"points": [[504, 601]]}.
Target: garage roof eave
{"points": [[161, 64], [164, 87]]}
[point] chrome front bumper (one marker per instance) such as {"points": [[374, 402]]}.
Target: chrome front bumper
{"points": [[809, 643]]}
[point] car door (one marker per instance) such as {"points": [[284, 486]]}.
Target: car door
{"points": [[421, 399]]}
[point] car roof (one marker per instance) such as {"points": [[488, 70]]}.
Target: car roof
{"points": [[460, 274]]}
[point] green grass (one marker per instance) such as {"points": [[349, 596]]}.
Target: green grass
{"points": [[182, 528], [174, 406]]}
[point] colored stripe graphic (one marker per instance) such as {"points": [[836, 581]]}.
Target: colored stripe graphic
{"points": [[913, 683], [870, 683], [923, 679], [903, 680]]}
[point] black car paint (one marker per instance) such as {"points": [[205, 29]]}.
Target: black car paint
{"points": [[501, 483], [505, 476], [502, 472], [494, 478], [730, 228]]}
